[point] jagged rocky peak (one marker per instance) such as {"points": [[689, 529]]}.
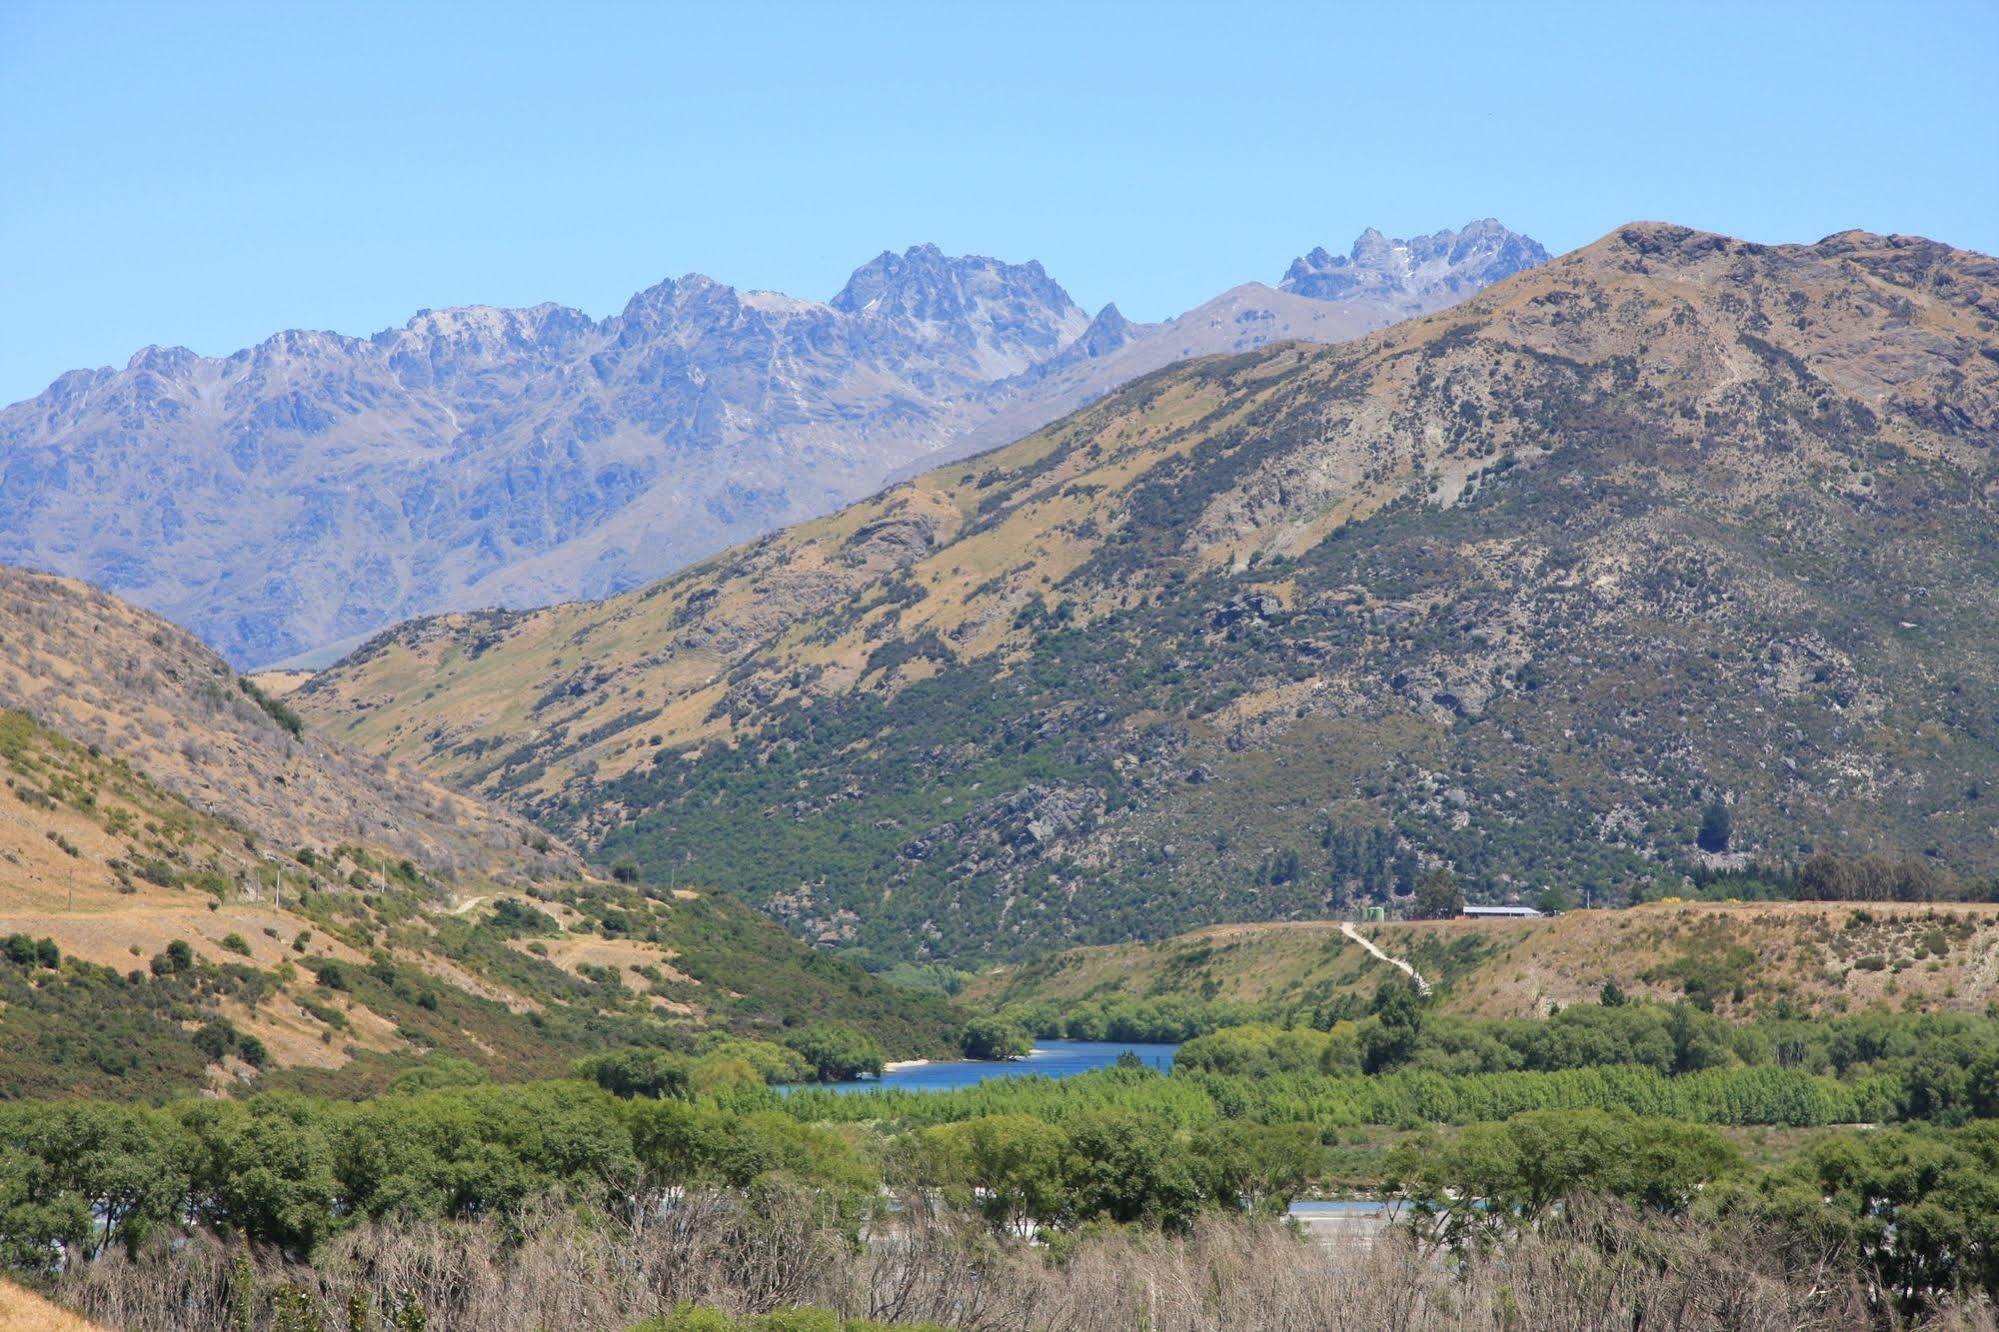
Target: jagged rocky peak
{"points": [[1421, 268], [663, 299], [481, 325], [925, 283], [296, 346], [1109, 331], [1008, 315], [173, 362], [435, 342], [682, 311]]}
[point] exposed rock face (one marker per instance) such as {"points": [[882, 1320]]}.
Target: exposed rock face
{"points": [[1422, 272], [1109, 331], [978, 318], [1520, 586], [308, 491]]}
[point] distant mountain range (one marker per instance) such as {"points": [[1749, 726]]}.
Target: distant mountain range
{"points": [[1522, 587], [301, 494]]}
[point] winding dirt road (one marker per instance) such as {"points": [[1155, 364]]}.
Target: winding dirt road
{"points": [[1346, 928]]}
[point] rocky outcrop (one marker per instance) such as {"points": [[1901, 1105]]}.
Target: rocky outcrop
{"points": [[1518, 587], [302, 494], [1419, 271]]}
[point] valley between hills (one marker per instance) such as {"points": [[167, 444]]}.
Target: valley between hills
{"points": [[485, 975], [1522, 594], [812, 668]]}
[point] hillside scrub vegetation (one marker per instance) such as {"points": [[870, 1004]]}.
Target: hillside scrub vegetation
{"points": [[458, 1207], [172, 949], [170, 1021], [1664, 559], [1746, 959]]}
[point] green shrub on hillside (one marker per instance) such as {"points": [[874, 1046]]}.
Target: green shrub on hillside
{"points": [[275, 708]]}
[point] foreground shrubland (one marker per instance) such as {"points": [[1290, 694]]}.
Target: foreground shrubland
{"points": [[560, 1205], [772, 1263], [1594, 1163]]}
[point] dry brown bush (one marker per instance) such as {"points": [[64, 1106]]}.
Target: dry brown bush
{"points": [[1600, 1270]]}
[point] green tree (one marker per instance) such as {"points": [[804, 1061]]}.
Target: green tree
{"points": [[1011, 1166], [78, 1177], [1127, 1166], [1390, 1040], [265, 1169], [994, 1037], [1700, 1040], [1258, 1167], [1919, 1208], [640, 1071], [215, 1038], [1439, 896], [836, 1051], [1716, 827], [1495, 1177]]}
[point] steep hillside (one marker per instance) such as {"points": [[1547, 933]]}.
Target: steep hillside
{"points": [[190, 895], [138, 957], [108, 675], [315, 488], [1801, 957], [1521, 587]]}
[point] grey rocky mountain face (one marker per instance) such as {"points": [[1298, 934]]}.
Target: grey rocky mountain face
{"points": [[301, 494], [1418, 271]]}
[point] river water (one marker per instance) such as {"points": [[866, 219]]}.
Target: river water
{"points": [[1051, 1059]]}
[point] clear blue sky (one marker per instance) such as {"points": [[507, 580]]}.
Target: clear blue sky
{"points": [[206, 174]]}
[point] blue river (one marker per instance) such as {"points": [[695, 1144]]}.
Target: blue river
{"points": [[1051, 1059]]}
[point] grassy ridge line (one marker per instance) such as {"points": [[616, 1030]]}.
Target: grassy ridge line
{"points": [[126, 684], [1742, 958]]}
